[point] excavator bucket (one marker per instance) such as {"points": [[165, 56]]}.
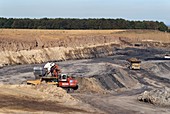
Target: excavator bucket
{"points": [[34, 82], [48, 80], [52, 83]]}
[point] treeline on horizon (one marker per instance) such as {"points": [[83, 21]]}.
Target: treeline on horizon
{"points": [[71, 23]]}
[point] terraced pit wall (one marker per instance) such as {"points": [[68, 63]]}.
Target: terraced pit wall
{"points": [[37, 46], [40, 55], [55, 54]]}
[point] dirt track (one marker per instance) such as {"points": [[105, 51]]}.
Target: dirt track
{"points": [[109, 86]]}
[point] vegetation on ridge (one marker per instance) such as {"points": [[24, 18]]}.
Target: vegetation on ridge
{"points": [[71, 23]]}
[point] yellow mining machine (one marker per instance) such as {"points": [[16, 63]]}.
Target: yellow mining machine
{"points": [[134, 64]]}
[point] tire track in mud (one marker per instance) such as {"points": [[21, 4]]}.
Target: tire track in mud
{"points": [[145, 73], [165, 66], [151, 76], [156, 73]]}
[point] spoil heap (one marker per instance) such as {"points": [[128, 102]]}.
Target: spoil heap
{"points": [[52, 91]]}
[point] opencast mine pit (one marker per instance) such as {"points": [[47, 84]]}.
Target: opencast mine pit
{"points": [[98, 60]]}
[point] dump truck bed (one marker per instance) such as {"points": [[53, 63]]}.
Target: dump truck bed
{"points": [[134, 60]]}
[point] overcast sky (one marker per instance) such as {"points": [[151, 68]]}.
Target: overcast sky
{"points": [[127, 9]]}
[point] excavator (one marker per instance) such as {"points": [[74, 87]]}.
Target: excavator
{"points": [[51, 74]]}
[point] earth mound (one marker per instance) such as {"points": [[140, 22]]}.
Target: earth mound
{"points": [[89, 85], [52, 91]]}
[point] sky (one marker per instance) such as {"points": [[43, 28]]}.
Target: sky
{"points": [[156, 10]]}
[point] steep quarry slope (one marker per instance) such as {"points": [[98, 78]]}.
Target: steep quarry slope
{"points": [[161, 69], [53, 54], [37, 46]]}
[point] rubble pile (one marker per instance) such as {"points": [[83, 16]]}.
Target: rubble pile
{"points": [[157, 96]]}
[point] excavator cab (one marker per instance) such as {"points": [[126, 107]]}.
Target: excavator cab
{"points": [[63, 77]]}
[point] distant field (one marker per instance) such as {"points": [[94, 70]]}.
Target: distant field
{"points": [[145, 35], [51, 34], [32, 34]]}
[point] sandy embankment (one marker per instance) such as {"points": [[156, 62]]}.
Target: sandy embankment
{"points": [[37, 46], [40, 99]]}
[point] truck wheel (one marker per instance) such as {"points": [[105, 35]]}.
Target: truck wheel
{"points": [[75, 88], [130, 68], [70, 90]]}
